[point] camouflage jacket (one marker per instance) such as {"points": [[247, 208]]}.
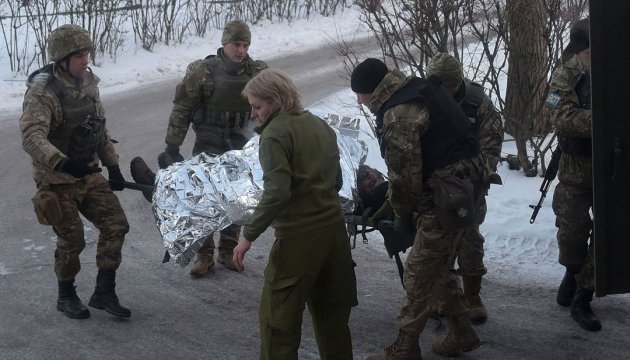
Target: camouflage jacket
{"points": [[42, 113], [571, 119], [403, 125], [196, 86], [477, 105]]}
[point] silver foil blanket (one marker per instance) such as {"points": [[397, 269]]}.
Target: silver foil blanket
{"points": [[207, 193]]}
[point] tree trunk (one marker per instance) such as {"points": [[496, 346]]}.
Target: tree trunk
{"points": [[528, 56]]}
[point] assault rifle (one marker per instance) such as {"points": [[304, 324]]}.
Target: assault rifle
{"points": [[550, 175], [394, 242]]}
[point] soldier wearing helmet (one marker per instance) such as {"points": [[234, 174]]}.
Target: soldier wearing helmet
{"points": [[488, 127], [63, 130], [210, 98]]}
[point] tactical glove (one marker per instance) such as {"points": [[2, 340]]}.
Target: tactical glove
{"points": [[76, 168], [385, 212], [169, 156], [116, 179]]}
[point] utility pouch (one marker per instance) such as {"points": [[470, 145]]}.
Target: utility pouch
{"points": [[47, 207], [453, 199]]}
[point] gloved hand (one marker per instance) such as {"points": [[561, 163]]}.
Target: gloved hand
{"points": [[76, 168], [169, 156], [385, 212], [116, 179], [404, 224]]}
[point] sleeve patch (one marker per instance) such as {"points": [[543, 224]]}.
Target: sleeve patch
{"points": [[553, 99]]}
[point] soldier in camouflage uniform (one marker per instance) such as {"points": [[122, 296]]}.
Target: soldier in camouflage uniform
{"points": [[63, 130], [489, 130], [569, 101], [411, 143], [210, 98]]}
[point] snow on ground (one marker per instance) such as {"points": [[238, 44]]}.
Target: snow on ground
{"points": [[514, 247]]}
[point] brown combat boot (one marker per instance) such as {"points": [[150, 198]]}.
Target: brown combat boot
{"points": [[202, 266], [405, 347], [142, 174], [477, 311], [461, 337], [226, 260]]}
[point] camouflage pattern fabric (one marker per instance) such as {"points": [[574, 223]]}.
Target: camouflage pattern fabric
{"points": [[490, 130], [66, 40], [43, 113], [572, 206], [573, 197], [90, 196], [197, 85], [228, 238], [236, 30], [429, 282], [94, 199], [570, 119]]}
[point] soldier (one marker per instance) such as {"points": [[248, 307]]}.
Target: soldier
{"points": [[488, 127], [210, 98], [569, 101], [63, 130], [310, 261], [428, 154]]}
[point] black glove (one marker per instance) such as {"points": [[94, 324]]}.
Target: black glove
{"points": [[116, 179], [169, 156], [77, 168], [404, 224], [385, 212]]}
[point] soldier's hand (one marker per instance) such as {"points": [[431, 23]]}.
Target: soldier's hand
{"points": [[76, 168], [170, 156], [385, 212], [116, 179]]}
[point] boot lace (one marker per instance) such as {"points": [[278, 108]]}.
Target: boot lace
{"points": [[393, 347]]}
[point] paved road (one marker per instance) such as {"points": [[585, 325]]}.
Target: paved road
{"points": [[176, 317]]}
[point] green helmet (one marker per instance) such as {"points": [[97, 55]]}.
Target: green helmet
{"points": [[66, 40], [446, 67]]}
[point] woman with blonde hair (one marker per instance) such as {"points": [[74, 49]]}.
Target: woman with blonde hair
{"points": [[310, 261]]}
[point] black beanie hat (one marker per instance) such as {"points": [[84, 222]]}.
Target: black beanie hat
{"points": [[367, 75], [579, 39]]}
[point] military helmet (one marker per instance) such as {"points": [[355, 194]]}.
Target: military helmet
{"points": [[445, 67], [66, 40]]}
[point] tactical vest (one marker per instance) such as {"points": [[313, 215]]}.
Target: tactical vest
{"points": [[81, 132], [574, 145], [449, 137], [223, 115]]}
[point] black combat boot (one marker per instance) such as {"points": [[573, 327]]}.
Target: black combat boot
{"points": [[104, 297], [69, 303], [566, 290], [581, 310]]}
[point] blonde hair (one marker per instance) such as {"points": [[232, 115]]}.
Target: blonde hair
{"points": [[275, 87]]}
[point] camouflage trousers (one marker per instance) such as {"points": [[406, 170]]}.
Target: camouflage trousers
{"points": [[470, 252], [93, 198], [430, 283], [572, 206], [316, 270], [228, 238]]}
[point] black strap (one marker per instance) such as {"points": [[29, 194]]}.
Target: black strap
{"points": [[401, 269]]}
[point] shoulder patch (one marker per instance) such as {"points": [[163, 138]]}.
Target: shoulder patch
{"points": [[553, 99]]}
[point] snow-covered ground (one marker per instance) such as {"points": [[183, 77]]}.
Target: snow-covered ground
{"points": [[514, 248]]}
